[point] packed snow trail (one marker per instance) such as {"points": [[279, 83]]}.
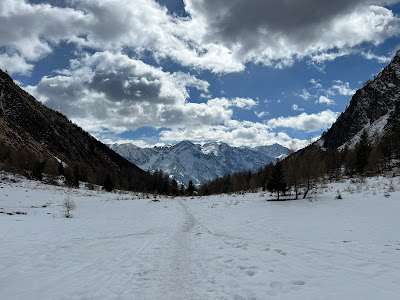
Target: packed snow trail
{"points": [[180, 275], [192, 273], [121, 246], [188, 274]]}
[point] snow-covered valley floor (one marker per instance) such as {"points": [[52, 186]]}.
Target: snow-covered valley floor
{"points": [[117, 246]]}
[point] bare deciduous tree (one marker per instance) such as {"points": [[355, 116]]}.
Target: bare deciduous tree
{"points": [[68, 205]]}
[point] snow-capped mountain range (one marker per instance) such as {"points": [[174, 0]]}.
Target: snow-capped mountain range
{"points": [[187, 161]]}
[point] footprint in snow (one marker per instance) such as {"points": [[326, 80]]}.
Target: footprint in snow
{"points": [[276, 285], [280, 252], [242, 245], [298, 282]]}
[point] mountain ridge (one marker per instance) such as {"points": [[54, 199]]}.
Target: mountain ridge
{"points": [[374, 107], [32, 132], [199, 162]]}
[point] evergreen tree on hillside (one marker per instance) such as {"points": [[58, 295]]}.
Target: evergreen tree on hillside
{"points": [[70, 179], [277, 182], [60, 169], [174, 187], [37, 169], [108, 184], [363, 150], [190, 188], [182, 190]]}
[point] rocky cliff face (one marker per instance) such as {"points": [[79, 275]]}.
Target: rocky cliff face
{"points": [[372, 108]]}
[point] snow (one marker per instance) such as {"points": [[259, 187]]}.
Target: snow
{"points": [[212, 148], [61, 162], [374, 130], [120, 246], [200, 162]]}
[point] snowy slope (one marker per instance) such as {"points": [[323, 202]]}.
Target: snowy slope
{"points": [[118, 246], [199, 163], [275, 150]]}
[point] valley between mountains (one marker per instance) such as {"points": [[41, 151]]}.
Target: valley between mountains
{"points": [[80, 219], [186, 161]]}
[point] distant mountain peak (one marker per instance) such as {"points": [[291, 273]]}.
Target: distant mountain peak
{"points": [[199, 163]]}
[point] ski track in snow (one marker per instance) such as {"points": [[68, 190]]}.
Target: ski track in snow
{"points": [[179, 274], [219, 247]]}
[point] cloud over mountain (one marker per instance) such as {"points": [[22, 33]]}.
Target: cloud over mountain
{"points": [[304, 121], [133, 64], [220, 36]]}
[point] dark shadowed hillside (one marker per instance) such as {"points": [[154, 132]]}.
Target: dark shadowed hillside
{"points": [[30, 133]]}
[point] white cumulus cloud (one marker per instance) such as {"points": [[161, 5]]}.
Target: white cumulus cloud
{"points": [[14, 63], [295, 107], [325, 100], [221, 36], [343, 88], [304, 121], [245, 103], [111, 90], [235, 133]]}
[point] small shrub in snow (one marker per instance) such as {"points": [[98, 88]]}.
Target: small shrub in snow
{"points": [[90, 186], [350, 189], [391, 187], [338, 195], [68, 205]]}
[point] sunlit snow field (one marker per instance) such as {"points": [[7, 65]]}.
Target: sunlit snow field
{"points": [[118, 246]]}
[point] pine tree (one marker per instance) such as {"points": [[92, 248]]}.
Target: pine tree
{"points": [[174, 187], [76, 176], [277, 182], [37, 169], [362, 152], [60, 169], [190, 188], [182, 189], [108, 184]]}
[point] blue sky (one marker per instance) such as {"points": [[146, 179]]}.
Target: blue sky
{"points": [[247, 73]]}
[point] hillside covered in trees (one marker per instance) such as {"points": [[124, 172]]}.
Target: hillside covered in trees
{"points": [[35, 139], [304, 169]]}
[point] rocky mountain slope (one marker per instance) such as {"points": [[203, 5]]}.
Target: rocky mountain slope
{"points": [[29, 128], [372, 108], [199, 163]]}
